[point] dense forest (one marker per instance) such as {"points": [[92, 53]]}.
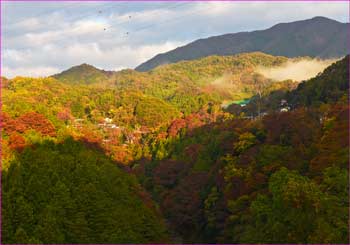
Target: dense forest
{"points": [[279, 179], [171, 156], [66, 193]]}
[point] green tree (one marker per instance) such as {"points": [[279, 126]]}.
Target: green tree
{"points": [[246, 140]]}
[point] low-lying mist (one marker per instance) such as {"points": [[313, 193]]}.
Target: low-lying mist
{"points": [[296, 70]]}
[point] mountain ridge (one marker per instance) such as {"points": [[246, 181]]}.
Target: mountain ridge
{"points": [[316, 37]]}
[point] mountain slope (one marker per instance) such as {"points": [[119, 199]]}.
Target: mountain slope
{"points": [[317, 37]]}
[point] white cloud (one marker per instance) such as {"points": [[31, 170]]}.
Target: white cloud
{"points": [[87, 27], [296, 70], [14, 55], [38, 71], [80, 29], [28, 24], [116, 58]]}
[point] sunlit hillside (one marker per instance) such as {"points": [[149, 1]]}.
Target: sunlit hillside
{"points": [[90, 156]]}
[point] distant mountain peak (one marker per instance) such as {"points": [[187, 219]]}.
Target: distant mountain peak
{"points": [[82, 74], [322, 18], [316, 37], [84, 66]]}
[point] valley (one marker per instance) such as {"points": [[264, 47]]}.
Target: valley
{"points": [[201, 151]]}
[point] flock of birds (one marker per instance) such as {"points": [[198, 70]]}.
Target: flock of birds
{"points": [[167, 7], [110, 6], [129, 19], [100, 12]]}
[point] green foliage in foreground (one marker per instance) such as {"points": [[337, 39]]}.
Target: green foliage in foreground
{"points": [[67, 193], [299, 210]]}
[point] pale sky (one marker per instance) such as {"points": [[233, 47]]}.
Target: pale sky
{"points": [[44, 38]]}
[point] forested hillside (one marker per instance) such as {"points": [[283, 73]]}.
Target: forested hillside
{"points": [[66, 193], [174, 155], [120, 111], [187, 85], [281, 178]]}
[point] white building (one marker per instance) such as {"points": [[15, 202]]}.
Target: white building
{"points": [[108, 120]]}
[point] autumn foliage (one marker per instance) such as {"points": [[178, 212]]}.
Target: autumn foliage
{"points": [[36, 121], [111, 161], [28, 121], [16, 142]]}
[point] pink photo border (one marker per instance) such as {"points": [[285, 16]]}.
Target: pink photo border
{"points": [[1, 14]]}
